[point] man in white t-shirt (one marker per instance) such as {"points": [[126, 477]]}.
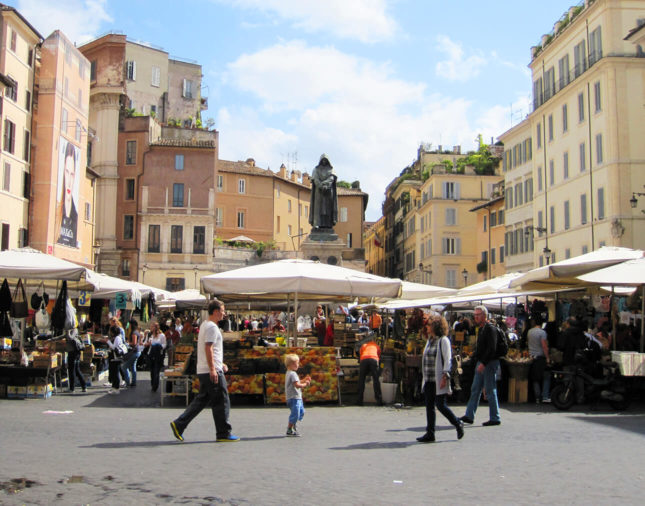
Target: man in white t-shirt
{"points": [[212, 383]]}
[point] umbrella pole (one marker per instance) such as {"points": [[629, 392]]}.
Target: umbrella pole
{"points": [[642, 320], [295, 319], [613, 319]]}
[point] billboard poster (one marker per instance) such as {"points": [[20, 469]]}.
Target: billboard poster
{"points": [[69, 161]]}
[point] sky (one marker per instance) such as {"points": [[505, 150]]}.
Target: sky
{"points": [[363, 81]]}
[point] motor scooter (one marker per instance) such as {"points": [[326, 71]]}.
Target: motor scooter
{"points": [[577, 385]]}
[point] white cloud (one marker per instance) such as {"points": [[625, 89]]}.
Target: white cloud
{"points": [[457, 67], [364, 20], [79, 20], [369, 122]]}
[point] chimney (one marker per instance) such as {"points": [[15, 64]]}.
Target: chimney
{"points": [[250, 161], [305, 179], [282, 172], [293, 177]]}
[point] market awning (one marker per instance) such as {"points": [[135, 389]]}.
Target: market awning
{"points": [[28, 263]]}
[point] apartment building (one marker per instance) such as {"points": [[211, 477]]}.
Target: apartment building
{"points": [[129, 78], [587, 128], [491, 234], [165, 203], [374, 244], [61, 215], [18, 46]]}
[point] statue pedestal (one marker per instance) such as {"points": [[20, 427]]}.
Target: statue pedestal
{"points": [[324, 246]]}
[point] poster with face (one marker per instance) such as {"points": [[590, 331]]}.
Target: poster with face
{"points": [[69, 158]]}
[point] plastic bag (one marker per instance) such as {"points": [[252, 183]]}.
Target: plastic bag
{"points": [[41, 318], [70, 316]]}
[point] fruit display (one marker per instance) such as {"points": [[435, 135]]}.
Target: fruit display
{"points": [[518, 356], [275, 388], [247, 384]]}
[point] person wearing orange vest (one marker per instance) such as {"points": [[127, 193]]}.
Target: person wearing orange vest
{"points": [[375, 322], [370, 353]]}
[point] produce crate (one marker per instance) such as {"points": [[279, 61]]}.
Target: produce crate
{"points": [[44, 361], [518, 390]]}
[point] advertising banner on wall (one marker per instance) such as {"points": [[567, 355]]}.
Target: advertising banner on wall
{"points": [[69, 160]]}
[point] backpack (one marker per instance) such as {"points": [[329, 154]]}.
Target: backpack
{"points": [[501, 347]]}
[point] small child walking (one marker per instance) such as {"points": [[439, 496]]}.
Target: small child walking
{"points": [[293, 389]]}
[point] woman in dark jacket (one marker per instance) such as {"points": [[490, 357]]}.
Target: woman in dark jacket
{"points": [[73, 361]]}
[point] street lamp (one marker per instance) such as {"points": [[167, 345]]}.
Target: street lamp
{"points": [[464, 273], [528, 230], [196, 270], [96, 250], [547, 254], [634, 201], [144, 268], [428, 271]]}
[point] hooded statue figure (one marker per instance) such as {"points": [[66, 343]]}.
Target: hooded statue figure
{"points": [[324, 200]]}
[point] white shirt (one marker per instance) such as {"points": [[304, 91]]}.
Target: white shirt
{"points": [[209, 333], [160, 338]]}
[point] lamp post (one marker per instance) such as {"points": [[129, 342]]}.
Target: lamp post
{"points": [[426, 271], [547, 254], [144, 268], [464, 273], [96, 250], [196, 270], [634, 201]]}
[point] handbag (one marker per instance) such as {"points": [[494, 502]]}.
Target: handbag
{"points": [[19, 307], [38, 296], [5, 296], [41, 318], [5, 325]]}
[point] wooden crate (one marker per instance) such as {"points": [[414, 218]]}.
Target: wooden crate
{"points": [[518, 390]]}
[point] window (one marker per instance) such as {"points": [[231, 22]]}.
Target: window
{"points": [[66, 87], [153, 110], [129, 189], [240, 219], [565, 119], [343, 214], [289, 230], [492, 256], [485, 223], [596, 97], [289, 205], [509, 198], [549, 83], [551, 173], [277, 190], [14, 40], [411, 226], [93, 70], [601, 203], [299, 209], [81, 69], [538, 95], [6, 180], [187, 89], [12, 92], [565, 165], [131, 70], [219, 220], [552, 219], [451, 278], [77, 131], [128, 227], [579, 58], [540, 221], [125, 267], [595, 46], [450, 190], [539, 178], [583, 209], [277, 224], [501, 254], [156, 76], [241, 186], [28, 100], [179, 162], [178, 195], [5, 237], [88, 211], [63, 120], [175, 284], [585, 249], [306, 211], [528, 190], [599, 157], [566, 215], [550, 127], [581, 107], [176, 238], [519, 194], [563, 70], [130, 152], [154, 236], [199, 240], [23, 237], [220, 183], [567, 253], [30, 57], [26, 147], [26, 185], [493, 219], [539, 135], [451, 246], [9, 136]]}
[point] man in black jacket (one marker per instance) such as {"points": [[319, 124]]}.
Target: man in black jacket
{"points": [[486, 367]]}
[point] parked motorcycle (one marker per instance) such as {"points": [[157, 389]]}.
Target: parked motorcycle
{"points": [[577, 385]]}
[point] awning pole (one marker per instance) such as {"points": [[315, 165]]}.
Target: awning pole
{"points": [[295, 319], [613, 319], [642, 320]]}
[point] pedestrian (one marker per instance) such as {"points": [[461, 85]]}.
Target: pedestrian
{"points": [[369, 356], [320, 324], [131, 359], [156, 346], [212, 383], [436, 364], [293, 389], [539, 352], [117, 350], [172, 339], [375, 322], [73, 358], [486, 367]]}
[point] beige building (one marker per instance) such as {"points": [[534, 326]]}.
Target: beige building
{"points": [[374, 244], [18, 48], [587, 130], [61, 215], [490, 236]]}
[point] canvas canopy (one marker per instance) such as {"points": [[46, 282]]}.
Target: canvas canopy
{"points": [[28, 263], [629, 273], [185, 299], [566, 272], [307, 278]]}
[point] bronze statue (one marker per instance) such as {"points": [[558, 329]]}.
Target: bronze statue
{"points": [[324, 200]]}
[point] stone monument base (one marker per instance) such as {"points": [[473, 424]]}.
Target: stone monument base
{"points": [[325, 247]]}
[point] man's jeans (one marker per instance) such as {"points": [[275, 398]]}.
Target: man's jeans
{"points": [[130, 367], [487, 379]]}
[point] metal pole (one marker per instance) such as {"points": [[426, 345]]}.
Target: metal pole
{"points": [[642, 320], [295, 319], [613, 319]]}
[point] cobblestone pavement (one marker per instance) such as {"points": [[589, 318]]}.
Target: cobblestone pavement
{"points": [[96, 448]]}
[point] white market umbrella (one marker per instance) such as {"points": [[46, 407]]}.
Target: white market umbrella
{"points": [[186, 299], [28, 263], [413, 291], [490, 286], [566, 272], [240, 238]]}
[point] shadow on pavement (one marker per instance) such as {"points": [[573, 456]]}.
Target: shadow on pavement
{"points": [[144, 444], [626, 422], [385, 446]]}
